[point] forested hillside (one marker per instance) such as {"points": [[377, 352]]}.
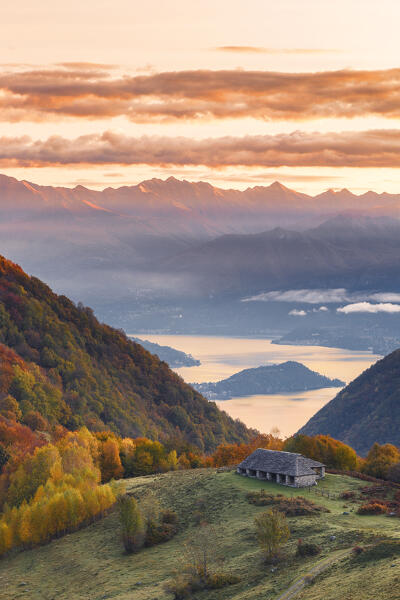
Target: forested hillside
{"points": [[365, 411], [58, 361]]}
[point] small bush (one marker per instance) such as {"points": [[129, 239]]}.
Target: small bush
{"points": [[347, 495], [384, 549], [307, 549], [291, 507], [261, 498], [357, 550], [183, 587], [157, 533], [219, 580], [374, 491], [169, 516], [372, 508]]}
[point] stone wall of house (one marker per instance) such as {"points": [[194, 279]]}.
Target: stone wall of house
{"points": [[305, 480]]}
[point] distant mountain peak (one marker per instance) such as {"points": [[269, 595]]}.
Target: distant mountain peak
{"points": [[277, 185]]}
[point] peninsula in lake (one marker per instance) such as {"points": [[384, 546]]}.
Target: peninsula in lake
{"points": [[174, 358], [290, 376]]}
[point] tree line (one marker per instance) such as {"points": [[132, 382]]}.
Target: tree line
{"points": [[53, 482]]}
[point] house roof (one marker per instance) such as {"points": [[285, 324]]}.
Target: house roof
{"points": [[276, 461]]}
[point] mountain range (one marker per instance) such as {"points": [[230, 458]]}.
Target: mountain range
{"points": [[144, 255], [345, 251], [172, 205]]}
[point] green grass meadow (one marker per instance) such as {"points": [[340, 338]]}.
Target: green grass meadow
{"points": [[91, 564]]}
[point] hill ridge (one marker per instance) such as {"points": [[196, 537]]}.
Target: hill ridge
{"points": [[289, 376], [365, 411], [77, 371]]}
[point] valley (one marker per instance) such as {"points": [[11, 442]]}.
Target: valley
{"points": [[200, 300], [221, 357]]}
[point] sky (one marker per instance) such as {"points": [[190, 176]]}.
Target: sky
{"points": [[236, 93]]}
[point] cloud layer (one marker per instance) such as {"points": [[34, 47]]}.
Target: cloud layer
{"points": [[376, 148], [359, 302], [266, 50], [306, 296], [91, 91], [367, 307]]}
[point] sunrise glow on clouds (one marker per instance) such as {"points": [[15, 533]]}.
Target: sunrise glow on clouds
{"points": [[203, 92]]}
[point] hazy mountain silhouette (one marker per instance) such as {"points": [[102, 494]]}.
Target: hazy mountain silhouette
{"points": [[180, 240]]}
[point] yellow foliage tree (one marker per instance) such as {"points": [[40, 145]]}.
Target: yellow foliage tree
{"points": [[272, 532], [110, 461]]}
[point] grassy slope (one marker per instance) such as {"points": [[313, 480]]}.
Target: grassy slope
{"points": [[90, 564]]}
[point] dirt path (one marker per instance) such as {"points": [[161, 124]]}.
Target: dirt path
{"points": [[319, 568]]}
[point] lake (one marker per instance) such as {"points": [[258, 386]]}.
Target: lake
{"points": [[223, 356]]}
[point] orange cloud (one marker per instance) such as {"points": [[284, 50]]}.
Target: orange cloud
{"points": [[87, 65], [376, 148], [265, 50], [89, 92]]}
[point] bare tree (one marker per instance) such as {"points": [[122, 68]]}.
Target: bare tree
{"points": [[201, 552]]}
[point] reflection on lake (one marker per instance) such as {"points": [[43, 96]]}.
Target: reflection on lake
{"points": [[222, 356]]}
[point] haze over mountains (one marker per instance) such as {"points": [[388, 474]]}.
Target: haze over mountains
{"points": [[179, 256], [345, 251]]}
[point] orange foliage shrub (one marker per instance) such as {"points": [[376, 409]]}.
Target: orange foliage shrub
{"points": [[372, 508], [232, 454]]}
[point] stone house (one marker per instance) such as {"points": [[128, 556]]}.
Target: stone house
{"points": [[287, 468]]}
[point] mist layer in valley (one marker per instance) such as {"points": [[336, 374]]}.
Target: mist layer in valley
{"points": [[181, 257]]}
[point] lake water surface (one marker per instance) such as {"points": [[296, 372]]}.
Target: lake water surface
{"points": [[223, 356]]}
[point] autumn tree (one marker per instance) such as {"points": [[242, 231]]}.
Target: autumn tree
{"points": [[323, 448], [380, 459], [35, 421], [272, 532], [9, 408], [132, 524], [110, 461], [232, 454]]}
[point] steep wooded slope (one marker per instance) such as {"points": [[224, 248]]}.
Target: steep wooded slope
{"points": [[74, 370], [365, 411]]}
